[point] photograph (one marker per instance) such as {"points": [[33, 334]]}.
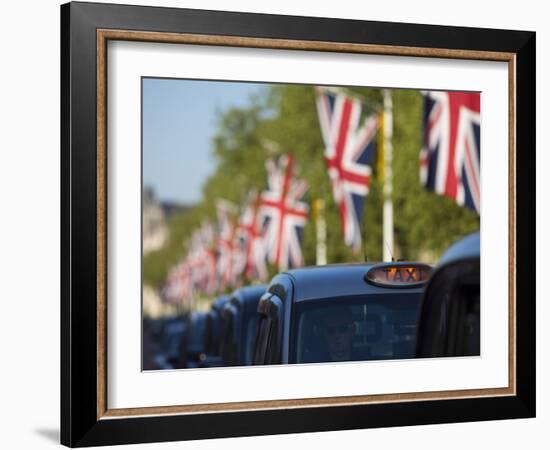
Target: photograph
{"points": [[299, 224]]}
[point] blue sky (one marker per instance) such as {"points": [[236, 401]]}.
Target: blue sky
{"points": [[179, 122]]}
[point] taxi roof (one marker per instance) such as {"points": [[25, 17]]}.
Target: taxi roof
{"points": [[198, 316], [338, 280], [249, 296], [218, 303], [467, 247]]}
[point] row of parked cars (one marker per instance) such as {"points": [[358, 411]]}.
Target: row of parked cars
{"points": [[341, 312]]}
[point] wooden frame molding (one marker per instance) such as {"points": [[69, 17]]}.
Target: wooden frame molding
{"points": [[103, 36]]}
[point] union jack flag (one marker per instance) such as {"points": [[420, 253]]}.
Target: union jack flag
{"points": [[450, 155], [285, 215], [178, 287], [196, 272], [349, 150], [226, 243], [201, 258], [250, 234]]}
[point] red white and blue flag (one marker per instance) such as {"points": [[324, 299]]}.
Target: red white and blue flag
{"points": [[201, 259], [349, 152], [252, 245], [450, 155], [226, 243], [178, 288], [197, 272], [284, 214]]}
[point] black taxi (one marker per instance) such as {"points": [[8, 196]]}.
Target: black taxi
{"points": [[449, 320], [212, 334], [340, 312], [239, 324], [192, 347]]}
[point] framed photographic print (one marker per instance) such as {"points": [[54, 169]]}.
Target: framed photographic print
{"points": [[277, 224]]}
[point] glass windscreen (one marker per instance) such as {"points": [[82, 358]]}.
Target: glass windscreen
{"points": [[451, 313], [361, 328]]}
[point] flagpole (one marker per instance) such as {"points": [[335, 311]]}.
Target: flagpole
{"points": [[387, 218], [320, 231]]}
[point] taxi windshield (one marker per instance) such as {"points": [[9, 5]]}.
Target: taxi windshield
{"points": [[359, 328]]}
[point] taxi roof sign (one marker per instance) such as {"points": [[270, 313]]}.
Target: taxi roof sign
{"points": [[399, 275]]}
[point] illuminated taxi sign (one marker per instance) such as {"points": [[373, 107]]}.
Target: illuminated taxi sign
{"points": [[398, 275]]}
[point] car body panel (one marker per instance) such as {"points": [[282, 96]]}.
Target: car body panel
{"points": [[214, 325], [468, 247], [236, 316]]}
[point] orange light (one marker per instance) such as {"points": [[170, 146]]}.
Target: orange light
{"points": [[399, 275]]}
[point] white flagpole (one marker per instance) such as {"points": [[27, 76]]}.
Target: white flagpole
{"points": [[387, 227], [321, 232]]}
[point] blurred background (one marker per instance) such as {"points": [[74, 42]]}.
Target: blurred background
{"points": [[207, 146]]}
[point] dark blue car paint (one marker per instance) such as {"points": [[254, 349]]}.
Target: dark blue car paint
{"points": [[314, 284], [243, 302]]}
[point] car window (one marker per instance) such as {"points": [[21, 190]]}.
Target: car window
{"points": [[371, 327], [468, 322], [450, 320]]}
